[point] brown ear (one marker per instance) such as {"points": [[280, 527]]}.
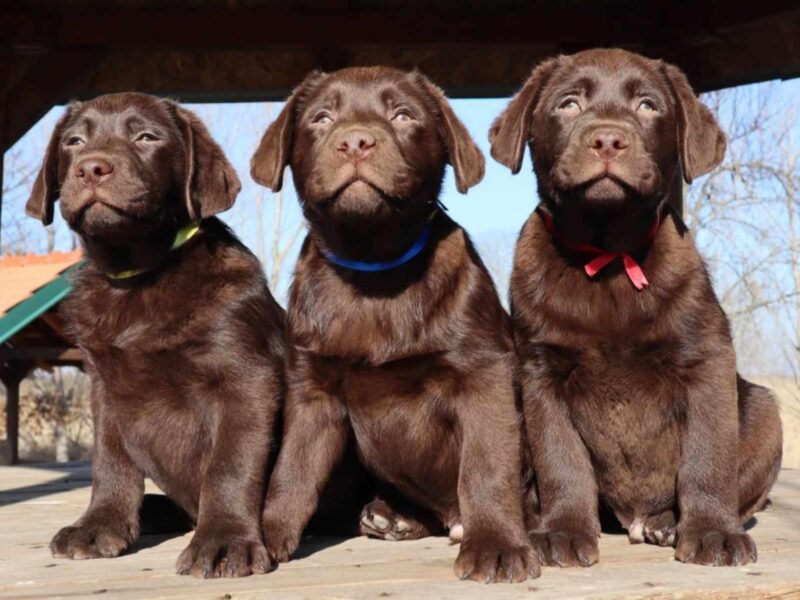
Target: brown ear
{"points": [[701, 142], [41, 203], [467, 160], [272, 154], [511, 130], [211, 184]]}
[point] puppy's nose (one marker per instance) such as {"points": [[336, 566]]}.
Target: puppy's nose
{"points": [[91, 171], [355, 144], [608, 143]]}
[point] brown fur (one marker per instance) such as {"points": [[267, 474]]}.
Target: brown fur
{"points": [[630, 396], [186, 359], [414, 364]]}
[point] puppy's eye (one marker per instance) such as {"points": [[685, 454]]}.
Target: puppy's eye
{"points": [[75, 140], [402, 116], [570, 106], [146, 137], [647, 106], [322, 118]]}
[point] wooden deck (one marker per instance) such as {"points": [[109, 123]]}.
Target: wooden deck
{"points": [[36, 501]]}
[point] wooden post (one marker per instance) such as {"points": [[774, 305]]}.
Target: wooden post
{"points": [[12, 376], [2, 155]]}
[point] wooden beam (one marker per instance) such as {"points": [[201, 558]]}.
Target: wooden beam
{"points": [[55, 323], [215, 53], [211, 26], [41, 353], [48, 83]]}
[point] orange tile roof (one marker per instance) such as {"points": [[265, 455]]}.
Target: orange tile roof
{"points": [[21, 276]]}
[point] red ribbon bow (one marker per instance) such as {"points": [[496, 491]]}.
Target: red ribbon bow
{"points": [[604, 258]]}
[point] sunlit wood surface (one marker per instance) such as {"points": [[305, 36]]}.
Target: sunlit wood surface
{"points": [[36, 501]]}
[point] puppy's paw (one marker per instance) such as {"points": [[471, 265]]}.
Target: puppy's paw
{"points": [[456, 533], [491, 560], [378, 520], [660, 529], [281, 540], [715, 547], [216, 555], [90, 540], [565, 548]]}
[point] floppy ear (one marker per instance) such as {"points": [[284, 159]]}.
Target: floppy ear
{"points": [[211, 184], [41, 203], [510, 131], [467, 160], [272, 154], [701, 142]]}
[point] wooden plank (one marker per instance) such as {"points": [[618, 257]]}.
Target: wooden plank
{"points": [[45, 353], [474, 49], [36, 501]]}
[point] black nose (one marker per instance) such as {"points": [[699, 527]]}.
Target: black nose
{"points": [[608, 143], [356, 143], [91, 171]]}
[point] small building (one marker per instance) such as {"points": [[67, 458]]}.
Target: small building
{"points": [[32, 334]]}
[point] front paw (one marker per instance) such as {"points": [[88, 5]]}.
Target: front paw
{"points": [[211, 555], [281, 539], [715, 547], [566, 548], [90, 540], [490, 560]]}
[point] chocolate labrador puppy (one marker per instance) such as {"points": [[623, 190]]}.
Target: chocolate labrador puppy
{"points": [[398, 341], [629, 374], [183, 341]]}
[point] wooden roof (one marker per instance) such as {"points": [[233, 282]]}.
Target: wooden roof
{"points": [[23, 276], [55, 50], [30, 327]]}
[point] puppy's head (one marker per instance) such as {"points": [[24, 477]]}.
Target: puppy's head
{"points": [[607, 128], [367, 143], [125, 165]]}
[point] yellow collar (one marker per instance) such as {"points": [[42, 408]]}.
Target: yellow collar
{"points": [[183, 235]]}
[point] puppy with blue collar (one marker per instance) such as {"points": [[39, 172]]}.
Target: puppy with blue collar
{"points": [[399, 346]]}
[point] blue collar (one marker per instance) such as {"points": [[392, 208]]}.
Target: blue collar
{"points": [[372, 267]]}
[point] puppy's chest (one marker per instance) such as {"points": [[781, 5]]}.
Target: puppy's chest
{"points": [[135, 341], [365, 329], [621, 391], [627, 403], [402, 416]]}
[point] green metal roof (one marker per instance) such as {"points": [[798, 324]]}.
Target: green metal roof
{"points": [[40, 302]]}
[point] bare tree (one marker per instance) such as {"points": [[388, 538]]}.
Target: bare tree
{"points": [[745, 218], [270, 223], [56, 413], [20, 233], [284, 239]]}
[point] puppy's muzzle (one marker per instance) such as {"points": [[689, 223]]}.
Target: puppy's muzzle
{"points": [[355, 144], [92, 171], [607, 143]]}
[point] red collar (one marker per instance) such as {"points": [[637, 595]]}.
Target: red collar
{"points": [[604, 257]]}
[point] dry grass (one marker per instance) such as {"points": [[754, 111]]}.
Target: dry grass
{"points": [[55, 416], [788, 392]]}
